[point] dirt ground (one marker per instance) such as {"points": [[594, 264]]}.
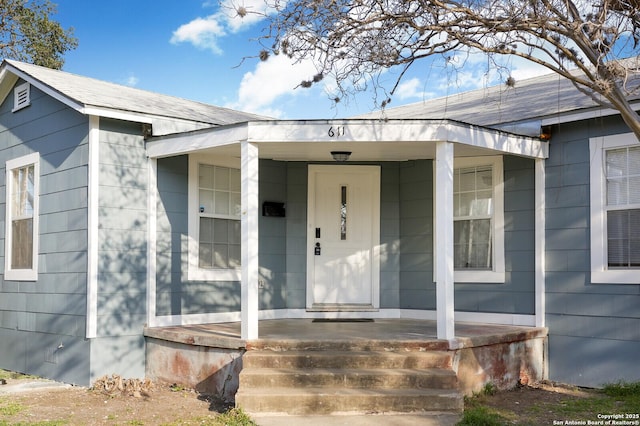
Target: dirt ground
{"points": [[163, 404], [153, 404]]}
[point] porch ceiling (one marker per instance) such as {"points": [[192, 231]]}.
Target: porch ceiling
{"points": [[368, 140]]}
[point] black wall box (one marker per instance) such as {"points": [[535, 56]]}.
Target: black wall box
{"points": [[273, 209]]}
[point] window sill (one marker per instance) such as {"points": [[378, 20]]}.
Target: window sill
{"points": [[479, 277], [21, 275], [199, 274], [620, 276]]}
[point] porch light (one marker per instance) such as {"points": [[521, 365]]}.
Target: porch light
{"points": [[341, 156]]}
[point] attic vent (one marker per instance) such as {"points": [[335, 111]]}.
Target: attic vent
{"points": [[21, 97]]}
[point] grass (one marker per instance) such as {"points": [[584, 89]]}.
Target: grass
{"points": [[233, 417], [614, 398]]}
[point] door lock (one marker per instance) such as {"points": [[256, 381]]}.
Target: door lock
{"points": [[317, 249]]}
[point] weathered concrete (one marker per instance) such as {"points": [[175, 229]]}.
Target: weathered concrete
{"points": [[209, 357], [209, 370]]}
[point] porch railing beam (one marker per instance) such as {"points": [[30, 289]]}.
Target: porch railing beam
{"points": [[249, 249], [443, 239]]}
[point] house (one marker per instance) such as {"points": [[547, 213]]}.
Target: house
{"points": [[126, 208]]}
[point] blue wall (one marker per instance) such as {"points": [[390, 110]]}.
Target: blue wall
{"points": [[594, 329], [42, 323]]}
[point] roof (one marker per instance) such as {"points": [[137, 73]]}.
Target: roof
{"points": [[91, 95], [532, 102]]}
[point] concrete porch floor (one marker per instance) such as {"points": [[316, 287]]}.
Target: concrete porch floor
{"points": [[308, 332]]}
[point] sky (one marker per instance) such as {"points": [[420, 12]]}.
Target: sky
{"points": [[198, 50]]}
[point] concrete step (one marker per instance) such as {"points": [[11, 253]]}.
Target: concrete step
{"points": [[329, 400], [388, 378], [346, 359]]}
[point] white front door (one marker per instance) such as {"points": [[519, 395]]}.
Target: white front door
{"points": [[343, 237]]}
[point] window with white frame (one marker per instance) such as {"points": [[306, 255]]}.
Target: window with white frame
{"points": [[615, 209], [21, 224], [214, 220], [478, 220]]}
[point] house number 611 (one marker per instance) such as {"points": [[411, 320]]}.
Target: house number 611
{"points": [[336, 132]]}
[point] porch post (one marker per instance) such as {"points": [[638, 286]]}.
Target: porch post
{"points": [[540, 241], [249, 225], [443, 239]]}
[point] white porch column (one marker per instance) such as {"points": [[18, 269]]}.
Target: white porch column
{"points": [[540, 241], [249, 223], [443, 239]]}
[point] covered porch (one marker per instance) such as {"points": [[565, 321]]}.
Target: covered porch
{"points": [[441, 142]]}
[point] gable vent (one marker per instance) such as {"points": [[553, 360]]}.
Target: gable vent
{"points": [[21, 97]]}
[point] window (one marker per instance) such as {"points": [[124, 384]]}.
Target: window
{"points": [[21, 242], [478, 220], [214, 220], [21, 96], [615, 209]]}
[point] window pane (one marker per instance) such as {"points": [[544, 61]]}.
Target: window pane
{"points": [[221, 203], [482, 206], [234, 235], [221, 178], [220, 256], [234, 201], [234, 180], [220, 230], [484, 178], [467, 179], [205, 255], [206, 176], [22, 244], [634, 190], [206, 201], [472, 244], [234, 256], [206, 230], [623, 238], [616, 162], [616, 192]]}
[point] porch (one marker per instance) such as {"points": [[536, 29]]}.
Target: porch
{"points": [[210, 357]]}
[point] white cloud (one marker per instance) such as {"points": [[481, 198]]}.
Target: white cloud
{"points": [[411, 88], [270, 82], [201, 32], [205, 32], [131, 80]]}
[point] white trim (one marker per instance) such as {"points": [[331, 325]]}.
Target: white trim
{"points": [[540, 244], [194, 272], [30, 274], [93, 226], [250, 242], [600, 274], [354, 131], [497, 274], [443, 239], [152, 229]]}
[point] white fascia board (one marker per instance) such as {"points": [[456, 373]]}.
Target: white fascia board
{"points": [[195, 141], [116, 114], [71, 103], [332, 131]]}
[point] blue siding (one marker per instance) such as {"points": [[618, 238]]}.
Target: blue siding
{"points": [[42, 324], [517, 294], [417, 289], [273, 236], [594, 335], [175, 295]]}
